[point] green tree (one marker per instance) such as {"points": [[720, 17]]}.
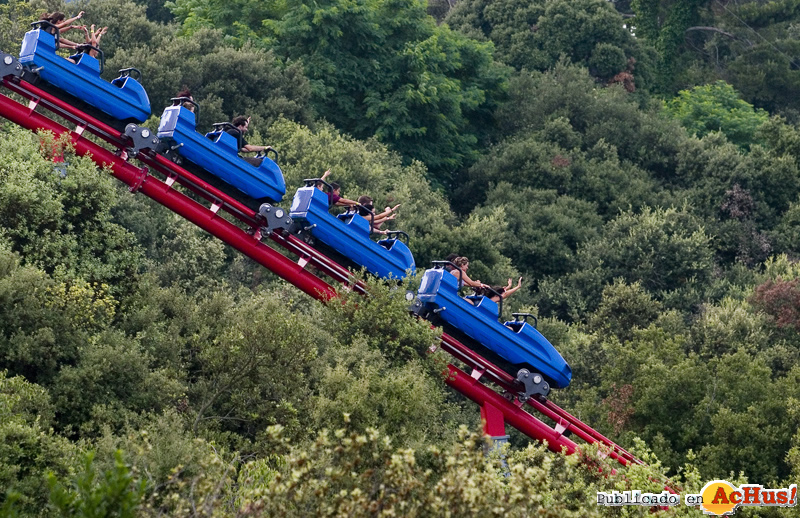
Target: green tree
{"points": [[557, 157], [242, 20], [225, 81], [544, 229], [15, 19], [717, 107], [251, 368], [358, 473], [113, 493], [377, 322], [761, 454], [663, 24], [124, 381], [359, 385], [60, 335], [547, 101], [717, 374], [757, 50], [28, 446], [383, 68], [62, 225], [380, 373], [134, 29], [157, 11], [765, 72], [623, 309], [178, 471], [786, 234], [747, 44], [741, 196], [34, 340], [666, 250], [535, 35], [188, 256], [728, 327]]}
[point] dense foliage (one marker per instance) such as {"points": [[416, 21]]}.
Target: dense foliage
{"points": [[534, 35], [641, 174]]}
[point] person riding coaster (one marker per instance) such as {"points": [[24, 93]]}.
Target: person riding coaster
{"points": [[238, 127]]}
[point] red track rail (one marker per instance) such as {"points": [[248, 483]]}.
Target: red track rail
{"points": [[495, 408], [206, 218]]}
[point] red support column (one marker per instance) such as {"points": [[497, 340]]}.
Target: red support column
{"points": [[513, 415], [493, 423]]}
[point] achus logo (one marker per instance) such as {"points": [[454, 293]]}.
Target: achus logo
{"points": [[721, 498]]}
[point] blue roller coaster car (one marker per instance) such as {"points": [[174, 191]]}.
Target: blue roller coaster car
{"points": [[517, 342], [124, 98], [218, 153], [349, 233]]}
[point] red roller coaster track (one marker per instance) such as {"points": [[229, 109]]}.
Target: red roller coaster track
{"points": [[158, 178]]}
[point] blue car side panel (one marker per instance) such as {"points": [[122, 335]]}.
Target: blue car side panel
{"points": [[123, 98], [439, 290], [217, 153], [350, 236]]}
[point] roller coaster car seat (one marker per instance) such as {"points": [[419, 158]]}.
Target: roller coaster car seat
{"points": [[355, 222], [433, 281], [227, 142], [87, 62], [515, 325], [308, 200], [484, 306], [400, 252]]}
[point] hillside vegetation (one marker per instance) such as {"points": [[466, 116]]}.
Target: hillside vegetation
{"points": [[636, 163]]}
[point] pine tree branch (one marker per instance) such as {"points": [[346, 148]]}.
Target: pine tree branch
{"points": [[720, 31]]}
